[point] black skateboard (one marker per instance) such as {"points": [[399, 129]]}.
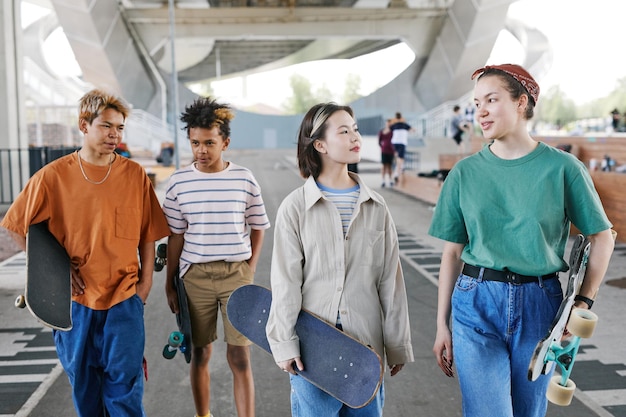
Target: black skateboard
{"points": [[334, 362], [48, 292]]}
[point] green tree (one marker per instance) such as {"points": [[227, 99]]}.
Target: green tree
{"points": [[352, 88], [323, 94], [602, 107], [556, 108], [302, 97], [616, 99]]}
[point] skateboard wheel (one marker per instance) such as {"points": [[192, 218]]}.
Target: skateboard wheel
{"points": [[169, 352], [559, 394], [582, 322], [175, 339], [20, 301], [161, 250], [159, 264], [161, 257]]}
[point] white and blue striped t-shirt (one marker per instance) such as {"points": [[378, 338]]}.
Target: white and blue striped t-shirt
{"points": [[345, 201], [214, 211]]}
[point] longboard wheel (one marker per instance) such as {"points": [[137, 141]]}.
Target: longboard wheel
{"points": [[582, 323], [169, 352], [559, 394], [20, 301], [175, 339]]}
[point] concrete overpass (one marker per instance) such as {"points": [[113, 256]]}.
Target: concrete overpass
{"points": [[125, 46]]}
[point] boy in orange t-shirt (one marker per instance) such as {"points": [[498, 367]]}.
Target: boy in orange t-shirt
{"points": [[101, 207]]}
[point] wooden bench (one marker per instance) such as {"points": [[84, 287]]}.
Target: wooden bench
{"points": [[591, 147], [611, 188]]}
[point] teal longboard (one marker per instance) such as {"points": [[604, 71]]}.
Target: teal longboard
{"points": [[552, 350], [48, 293], [336, 363], [179, 339]]}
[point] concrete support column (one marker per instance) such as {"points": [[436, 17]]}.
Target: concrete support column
{"points": [[11, 79], [13, 136], [105, 50], [464, 44]]}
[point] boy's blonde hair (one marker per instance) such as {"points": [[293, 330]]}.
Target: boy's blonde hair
{"points": [[96, 101]]}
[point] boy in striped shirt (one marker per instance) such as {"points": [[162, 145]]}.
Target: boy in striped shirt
{"points": [[217, 218]]}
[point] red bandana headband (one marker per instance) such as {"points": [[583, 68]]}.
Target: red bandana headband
{"points": [[517, 72]]}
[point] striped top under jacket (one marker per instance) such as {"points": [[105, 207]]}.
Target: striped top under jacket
{"points": [[214, 211]]}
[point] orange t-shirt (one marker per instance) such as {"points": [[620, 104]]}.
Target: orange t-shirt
{"points": [[100, 226]]}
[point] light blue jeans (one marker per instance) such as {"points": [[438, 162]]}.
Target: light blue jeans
{"points": [[495, 328], [103, 356], [309, 401]]}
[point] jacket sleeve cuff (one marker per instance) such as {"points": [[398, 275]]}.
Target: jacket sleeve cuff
{"points": [[283, 351], [399, 354]]}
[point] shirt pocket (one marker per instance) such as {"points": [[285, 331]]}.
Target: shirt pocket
{"points": [[127, 223], [372, 249]]}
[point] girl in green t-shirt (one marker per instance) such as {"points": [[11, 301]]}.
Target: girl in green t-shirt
{"points": [[505, 214]]}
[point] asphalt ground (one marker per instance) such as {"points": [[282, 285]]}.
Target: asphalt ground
{"points": [[33, 383]]}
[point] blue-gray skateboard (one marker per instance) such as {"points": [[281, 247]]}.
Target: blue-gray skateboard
{"points": [[334, 362]]}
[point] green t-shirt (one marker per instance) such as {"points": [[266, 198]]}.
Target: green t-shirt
{"points": [[516, 214]]}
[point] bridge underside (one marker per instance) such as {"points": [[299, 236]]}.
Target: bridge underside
{"points": [[128, 47]]}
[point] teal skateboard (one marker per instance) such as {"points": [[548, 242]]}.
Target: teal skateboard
{"points": [[553, 350], [334, 362], [178, 340]]}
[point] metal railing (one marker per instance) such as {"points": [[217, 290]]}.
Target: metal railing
{"points": [[18, 165], [58, 126], [412, 161]]}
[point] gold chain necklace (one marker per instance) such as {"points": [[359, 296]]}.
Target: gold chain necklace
{"points": [[80, 164]]}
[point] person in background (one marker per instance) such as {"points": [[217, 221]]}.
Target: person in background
{"points": [[615, 119], [505, 214], [217, 217], [470, 111], [400, 139], [386, 154], [122, 149], [347, 272], [102, 208], [459, 126], [166, 154]]}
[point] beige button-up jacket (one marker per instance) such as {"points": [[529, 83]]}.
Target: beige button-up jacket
{"points": [[358, 276]]}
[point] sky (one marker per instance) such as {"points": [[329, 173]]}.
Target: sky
{"points": [[273, 87], [587, 37]]}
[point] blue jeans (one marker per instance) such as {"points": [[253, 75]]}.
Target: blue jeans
{"points": [[495, 328], [103, 356], [309, 401]]}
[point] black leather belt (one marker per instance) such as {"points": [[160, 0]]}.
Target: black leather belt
{"points": [[505, 276]]}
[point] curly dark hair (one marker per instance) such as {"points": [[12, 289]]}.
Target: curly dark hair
{"points": [[207, 113]]}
